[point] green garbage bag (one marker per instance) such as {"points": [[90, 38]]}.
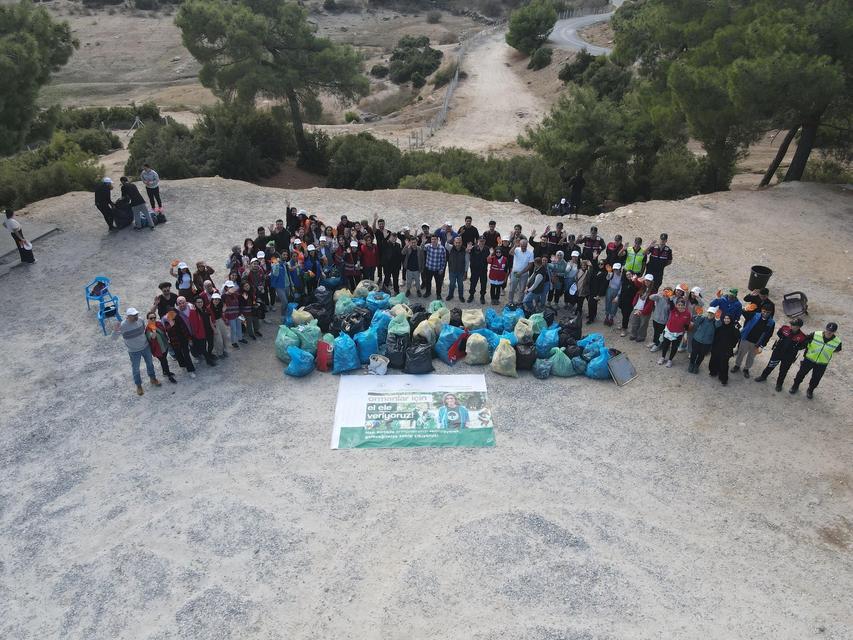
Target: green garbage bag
{"points": [[561, 364], [435, 305], [344, 306], [503, 362], [400, 298], [399, 326], [285, 338], [537, 320], [309, 335], [524, 330]]}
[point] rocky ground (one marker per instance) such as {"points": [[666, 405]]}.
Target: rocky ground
{"points": [[669, 508]]}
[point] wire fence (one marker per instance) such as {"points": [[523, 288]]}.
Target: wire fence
{"points": [[578, 12]]}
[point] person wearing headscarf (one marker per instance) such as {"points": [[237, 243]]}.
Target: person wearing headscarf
{"points": [[726, 338]]}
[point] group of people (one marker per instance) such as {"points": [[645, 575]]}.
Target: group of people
{"points": [[288, 260], [131, 199]]}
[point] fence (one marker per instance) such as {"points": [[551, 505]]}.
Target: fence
{"points": [[578, 12]]}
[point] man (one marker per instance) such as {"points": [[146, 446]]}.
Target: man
{"points": [[369, 257], [820, 347], [166, 300], [104, 202], [196, 331], [659, 258], [132, 330], [382, 236], [760, 298], [615, 251], [534, 295], [152, 186], [729, 305], [280, 282], [137, 204], [593, 244], [262, 239], [635, 257], [25, 249], [446, 234], [456, 259], [343, 224], [469, 232], [522, 265], [554, 239], [413, 259], [516, 236], [391, 259], [754, 336], [577, 183], [435, 262], [789, 340], [492, 237], [325, 252], [280, 235], [477, 256]]}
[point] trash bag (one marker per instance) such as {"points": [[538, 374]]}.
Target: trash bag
{"points": [[547, 340], [438, 319], [550, 315], [323, 296], [285, 338], [525, 356], [424, 333], [542, 368], [341, 293], [435, 305], [511, 314], [573, 328], [344, 306], [457, 349], [523, 330], [356, 322], [395, 350], [477, 349], [400, 298], [417, 307], [300, 316], [417, 318], [399, 326], [360, 302], [561, 364], [566, 339], [380, 322], [367, 345], [579, 365], [590, 339], [345, 355], [419, 359], [473, 319], [494, 322], [449, 334], [509, 335], [332, 282], [597, 369], [301, 362], [456, 317], [401, 309], [378, 365], [309, 335], [378, 300], [364, 287], [503, 361], [492, 339], [325, 350], [322, 314], [537, 321], [573, 351], [291, 307], [591, 352]]}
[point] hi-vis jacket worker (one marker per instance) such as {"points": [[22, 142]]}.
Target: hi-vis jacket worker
{"points": [[820, 347]]}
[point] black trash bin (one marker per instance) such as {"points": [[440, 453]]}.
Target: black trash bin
{"points": [[759, 277]]}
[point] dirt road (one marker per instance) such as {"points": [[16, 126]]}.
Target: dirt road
{"points": [[492, 106]]}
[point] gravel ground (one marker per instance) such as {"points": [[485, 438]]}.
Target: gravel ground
{"points": [[670, 508]]}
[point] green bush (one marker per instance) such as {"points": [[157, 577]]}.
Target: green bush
{"points": [[172, 148], [52, 170], [95, 141], [351, 116], [444, 75], [363, 162], [316, 159], [379, 71], [418, 80], [146, 5], [675, 175], [434, 17], [433, 182], [530, 26], [829, 171], [413, 55], [540, 58], [111, 117], [574, 68]]}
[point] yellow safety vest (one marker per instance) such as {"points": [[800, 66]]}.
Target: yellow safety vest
{"points": [[820, 351], [634, 260]]}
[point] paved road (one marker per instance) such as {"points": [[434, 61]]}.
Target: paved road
{"points": [[565, 33]]}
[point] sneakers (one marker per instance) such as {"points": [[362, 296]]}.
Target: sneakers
{"points": [[661, 360], [682, 347], [139, 390], [746, 373], [172, 379], [760, 378], [654, 348], [669, 364], [155, 382], [623, 334], [734, 369], [462, 298]]}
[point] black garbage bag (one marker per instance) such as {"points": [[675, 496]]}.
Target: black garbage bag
{"points": [[456, 317], [395, 350], [419, 359], [574, 328], [566, 339], [541, 368], [325, 297], [322, 315], [525, 356], [417, 307], [574, 351], [550, 315], [417, 318], [356, 322]]}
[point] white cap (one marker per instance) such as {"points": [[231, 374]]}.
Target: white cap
{"points": [[261, 254], [216, 296], [183, 265], [132, 311], [448, 223], [229, 283], [696, 290], [649, 277], [712, 310], [297, 241], [302, 212], [311, 247], [681, 287], [562, 201], [353, 243], [575, 254], [108, 180], [323, 239], [405, 228], [424, 224], [617, 265], [254, 260]]}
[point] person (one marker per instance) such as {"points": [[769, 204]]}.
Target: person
{"points": [[435, 262], [369, 257], [577, 183], [789, 340], [231, 314], [313, 269], [642, 306], [497, 273], [152, 187], [493, 238], [25, 249], [592, 245], [704, 327], [207, 322], [413, 266], [247, 310], [216, 311], [756, 299], [659, 258], [183, 280], [726, 336], [382, 236], [478, 253], [456, 259], [554, 239], [279, 235], [635, 257], [194, 329], [582, 286], [753, 337], [660, 316], [615, 251], [104, 202], [729, 305], [352, 266], [470, 234], [446, 234], [179, 339], [695, 305], [821, 346], [132, 330], [235, 259], [158, 341], [611, 297], [597, 288], [280, 283], [534, 297], [261, 239], [630, 285], [203, 273], [137, 204], [570, 284], [557, 275], [676, 327], [452, 415], [522, 265], [165, 301]]}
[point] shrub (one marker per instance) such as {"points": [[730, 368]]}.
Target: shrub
{"points": [[444, 75], [530, 26], [675, 174], [379, 71], [111, 117], [828, 170], [540, 59], [413, 55], [418, 80], [573, 69], [351, 116], [95, 141], [171, 148], [316, 159], [433, 182], [434, 17], [363, 162], [492, 8], [147, 5], [330, 5], [448, 37]]}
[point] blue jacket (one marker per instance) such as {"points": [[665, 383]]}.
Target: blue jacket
{"points": [[703, 329], [765, 335], [731, 308], [279, 278]]}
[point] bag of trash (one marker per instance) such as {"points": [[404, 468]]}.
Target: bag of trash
{"points": [[547, 340], [449, 334], [477, 349], [435, 305], [324, 296], [573, 351], [417, 318], [579, 365], [424, 333], [509, 335], [301, 362], [322, 314], [456, 352], [378, 365], [438, 319], [523, 330], [291, 307], [401, 309], [395, 350], [309, 335], [494, 322], [590, 339], [365, 287], [550, 315], [456, 317], [360, 302], [511, 314], [341, 293], [503, 361], [344, 306], [285, 338], [367, 344], [525, 356], [399, 326], [419, 359], [537, 322], [346, 354], [573, 328], [380, 322], [325, 354], [591, 352], [355, 322], [300, 316], [542, 368], [561, 364], [473, 319], [597, 369], [417, 307], [492, 339], [377, 300], [400, 298]]}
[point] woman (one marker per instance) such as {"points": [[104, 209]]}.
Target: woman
{"points": [[557, 275], [179, 340], [231, 314], [247, 310], [660, 316], [694, 301], [25, 249], [158, 340], [207, 323], [183, 280], [626, 299], [677, 325], [294, 274], [611, 296], [249, 248], [312, 270], [597, 289], [726, 337], [202, 273], [497, 273], [452, 415], [352, 266], [235, 259], [216, 311], [704, 327], [570, 282], [583, 281]]}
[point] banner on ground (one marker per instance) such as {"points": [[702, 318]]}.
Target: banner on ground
{"points": [[412, 411]]}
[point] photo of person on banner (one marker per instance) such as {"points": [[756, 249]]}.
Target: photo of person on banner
{"points": [[452, 415]]}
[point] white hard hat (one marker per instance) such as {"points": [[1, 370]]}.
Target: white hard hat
{"points": [[261, 255], [617, 266]]}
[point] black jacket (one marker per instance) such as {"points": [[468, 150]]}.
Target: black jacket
{"points": [[477, 259], [131, 193], [102, 195], [598, 284]]}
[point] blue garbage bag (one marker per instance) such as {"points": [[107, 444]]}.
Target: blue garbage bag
{"points": [[449, 335], [494, 321], [301, 362], [511, 316], [510, 335], [380, 322], [491, 337], [360, 302], [547, 340], [597, 368], [367, 344], [377, 300], [579, 364], [346, 354], [587, 341], [288, 315]]}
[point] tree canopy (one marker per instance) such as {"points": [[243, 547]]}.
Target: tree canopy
{"points": [[530, 26]]}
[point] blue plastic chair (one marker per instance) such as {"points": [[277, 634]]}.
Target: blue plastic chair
{"points": [[108, 308], [104, 293]]}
